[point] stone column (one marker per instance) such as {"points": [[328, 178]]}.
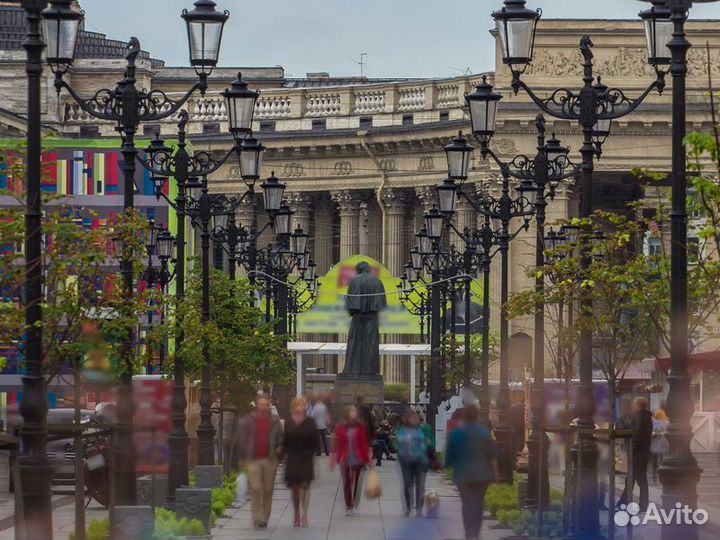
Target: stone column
{"points": [[394, 209], [371, 229], [302, 204], [348, 203], [322, 235], [394, 258]]}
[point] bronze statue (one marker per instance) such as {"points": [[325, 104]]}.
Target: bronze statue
{"points": [[365, 299]]}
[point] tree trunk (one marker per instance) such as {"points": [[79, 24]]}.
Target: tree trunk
{"points": [[611, 459]]}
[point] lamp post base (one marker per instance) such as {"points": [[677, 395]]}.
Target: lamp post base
{"points": [[538, 491], [504, 435], [679, 478]]}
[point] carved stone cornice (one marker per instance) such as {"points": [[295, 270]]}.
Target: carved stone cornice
{"points": [[625, 62]]}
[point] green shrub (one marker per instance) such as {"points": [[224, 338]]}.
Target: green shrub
{"points": [[98, 529], [501, 497], [169, 527], [523, 523], [397, 392]]}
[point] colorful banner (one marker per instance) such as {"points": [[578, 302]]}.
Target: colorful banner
{"points": [[328, 315]]}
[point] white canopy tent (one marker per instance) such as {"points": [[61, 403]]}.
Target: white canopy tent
{"points": [[302, 348]]}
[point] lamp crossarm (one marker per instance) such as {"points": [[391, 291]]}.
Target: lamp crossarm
{"points": [[203, 164], [565, 104], [106, 104], [616, 104]]}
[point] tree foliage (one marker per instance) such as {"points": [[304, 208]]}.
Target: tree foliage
{"points": [[85, 313], [243, 349]]}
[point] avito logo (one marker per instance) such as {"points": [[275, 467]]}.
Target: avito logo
{"points": [[680, 515]]}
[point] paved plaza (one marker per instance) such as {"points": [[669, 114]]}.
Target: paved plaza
{"points": [[375, 520]]}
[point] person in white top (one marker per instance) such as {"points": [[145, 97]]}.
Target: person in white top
{"points": [[322, 419]]}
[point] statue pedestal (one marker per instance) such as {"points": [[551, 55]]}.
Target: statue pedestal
{"points": [[349, 386]]}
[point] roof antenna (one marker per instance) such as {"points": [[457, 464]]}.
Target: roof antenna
{"points": [[361, 63]]}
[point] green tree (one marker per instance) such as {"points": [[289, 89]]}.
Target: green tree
{"points": [[452, 348], [245, 354]]}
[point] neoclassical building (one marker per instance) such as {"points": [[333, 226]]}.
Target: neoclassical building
{"points": [[361, 157]]}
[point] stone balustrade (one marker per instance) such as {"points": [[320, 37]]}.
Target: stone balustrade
{"points": [[387, 103]]}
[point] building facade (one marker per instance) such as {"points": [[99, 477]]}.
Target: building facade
{"points": [[361, 157]]}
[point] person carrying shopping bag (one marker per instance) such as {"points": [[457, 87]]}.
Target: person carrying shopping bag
{"points": [[351, 453]]}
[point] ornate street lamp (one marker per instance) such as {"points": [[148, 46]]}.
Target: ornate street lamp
{"points": [[516, 28], [187, 170], [129, 106], [204, 29], [35, 469], [424, 243], [164, 245], [679, 472], [273, 191], [61, 24], [588, 107], [658, 33], [483, 104], [282, 221], [251, 152], [458, 158], [299, 241], [240, 105], [447, 197], [434, 222]]}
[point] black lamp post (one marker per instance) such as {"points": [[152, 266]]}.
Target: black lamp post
{"points": [[540, 175], [163, 163], [679, 472], [505, 209], [594, 107], [35, 469], [128, 107], [483, 110], [211, 214], [246, 250], [161, 244]]}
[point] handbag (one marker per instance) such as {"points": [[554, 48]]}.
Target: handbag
{"points": [[373, 485]]}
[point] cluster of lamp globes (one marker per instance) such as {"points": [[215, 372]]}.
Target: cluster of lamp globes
{"points": [[205, 24], [516, 27]]}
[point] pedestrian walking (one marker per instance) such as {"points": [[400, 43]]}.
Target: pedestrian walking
{"points": [[300, 442], [259, 441], [642, 428], [351, 454], [659, 444], [472, 455], [321, 417], [414, 462]]}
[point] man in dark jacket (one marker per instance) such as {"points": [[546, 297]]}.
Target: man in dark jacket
{"points": [[642, 427]]}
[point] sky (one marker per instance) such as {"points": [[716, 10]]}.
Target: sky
{"points": [[402, 38]]}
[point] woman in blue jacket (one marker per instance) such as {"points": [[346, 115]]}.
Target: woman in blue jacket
{"points": [[472, 455]]}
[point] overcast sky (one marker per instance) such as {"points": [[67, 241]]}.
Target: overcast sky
{"points": [[402, 38]]}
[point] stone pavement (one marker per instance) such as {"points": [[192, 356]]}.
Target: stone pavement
{"points": [[380, 519], [375, 520]]}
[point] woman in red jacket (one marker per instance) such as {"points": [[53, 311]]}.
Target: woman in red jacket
{"points": [[351, 452]]}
